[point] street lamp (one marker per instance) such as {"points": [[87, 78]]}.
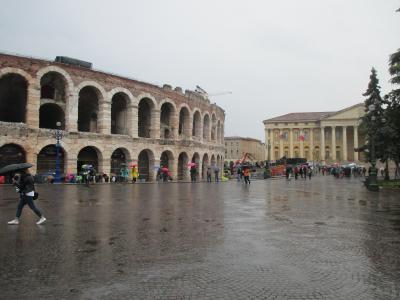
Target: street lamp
{"points": [[372, 177], [58, 136]]}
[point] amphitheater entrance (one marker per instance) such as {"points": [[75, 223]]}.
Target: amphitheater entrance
{"points": [[167, 111], [88, 156], [118, 161], [167, 160], [88, 109], [144, 117], [145, 164], [46, 160], [11, 154], [204, 166], [183, 161], [49, 115], [13, 98], [119, 114], [196, 160]]}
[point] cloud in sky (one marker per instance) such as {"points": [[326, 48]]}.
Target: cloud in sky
{"points": [[275, 56]]}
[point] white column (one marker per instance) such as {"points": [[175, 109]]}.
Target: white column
{"points": [[280, 144], [355, 142], [311, 143], [301, 132], [344, 155], [333, 144], [291, 146], [272, 146], [322, 138]]}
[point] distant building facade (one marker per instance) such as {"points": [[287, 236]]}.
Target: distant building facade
{"points": [[316, 136], [236, 147]]}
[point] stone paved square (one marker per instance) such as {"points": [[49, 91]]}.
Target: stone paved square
{"points": [[321, 239]]}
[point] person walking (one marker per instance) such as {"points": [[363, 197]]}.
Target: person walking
{"points": [[309, 172], [193, 173], [246, 174], [208, 174], [25, 186], [239, 174], [216, 174]]}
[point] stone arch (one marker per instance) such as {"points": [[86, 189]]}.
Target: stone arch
{"points": [[205, 164], [167, 159], [218, 161], [13, 97], [206, 127], [146, 111], [213, 160], [213, 127], [47, 158], [316, 154], [167, 119], [196, 159], [146, 164], [53, 87], [69, 85], [119, 159], [50, 114], [184, 128], [90, 155], [12, 154], [196, 127], [120, 113], [89, 99]]}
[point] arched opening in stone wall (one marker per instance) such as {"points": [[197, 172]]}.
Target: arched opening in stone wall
{"points": [[196, 129], [196, 160], [276, 153], [219, 165], [88, 156], [146, 164], [213, 128], [119, 114], [167, 159], [307, 153], [166, 114], [52, 86], [50, 114], [296, 152], [11, 154], [206, 128], [184, 122], [204, 166], [316, 153], [183, 161], [88, 109], [118, 161], [213, 161], [327, 152], [46, 160], [13, 98], [218, 131], [146, 107]]}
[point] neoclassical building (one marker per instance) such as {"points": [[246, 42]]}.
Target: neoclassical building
{"points": [[107, 120], [317, 136]]}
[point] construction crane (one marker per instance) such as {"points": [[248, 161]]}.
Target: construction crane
{"points": [[205, 94]]}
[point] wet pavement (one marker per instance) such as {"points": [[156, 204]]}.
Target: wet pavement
{"points": [[321, 239]]}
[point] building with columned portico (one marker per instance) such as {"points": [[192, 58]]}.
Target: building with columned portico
{"points": [[317, 136], [107, 120]]}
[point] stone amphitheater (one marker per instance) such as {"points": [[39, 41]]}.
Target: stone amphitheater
{"points": [[106, 120]]}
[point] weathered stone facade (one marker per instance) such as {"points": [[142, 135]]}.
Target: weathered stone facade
{"points": [[147, 124]]}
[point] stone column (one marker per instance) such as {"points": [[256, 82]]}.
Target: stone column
{"points": [[280, 143], [155, 124], [132, 122], [311, 143], [355, 142], [71, 164], [322, 143], [344, 155], [271, 145], [333, 144], [32, 105], [301, 132], [291, 146], [104, 117], [105, 163], [153, 176], [71, 113], [31, 157]]}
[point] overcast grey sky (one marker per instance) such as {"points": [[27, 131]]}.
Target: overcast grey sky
{"points": [[275, 56]]}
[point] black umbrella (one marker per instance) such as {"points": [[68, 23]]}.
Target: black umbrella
{"points": [[15, 167]]}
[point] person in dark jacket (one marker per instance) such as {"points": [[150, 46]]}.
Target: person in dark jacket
{"points": [[25, 186]]}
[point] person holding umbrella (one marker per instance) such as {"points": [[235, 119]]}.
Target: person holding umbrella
{"points": [[25, 186]]}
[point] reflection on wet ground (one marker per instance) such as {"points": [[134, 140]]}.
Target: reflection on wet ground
{"points": [[318, 239]]}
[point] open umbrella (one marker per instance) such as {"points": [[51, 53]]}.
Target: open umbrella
{"points": [[15, 167], [132, 164], [164, 170]]}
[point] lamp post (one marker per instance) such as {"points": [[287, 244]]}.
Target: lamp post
{"points": [[58, 136], [372, 177]]}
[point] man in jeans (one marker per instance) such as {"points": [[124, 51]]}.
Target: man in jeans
{"points": [[25, 187]]}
